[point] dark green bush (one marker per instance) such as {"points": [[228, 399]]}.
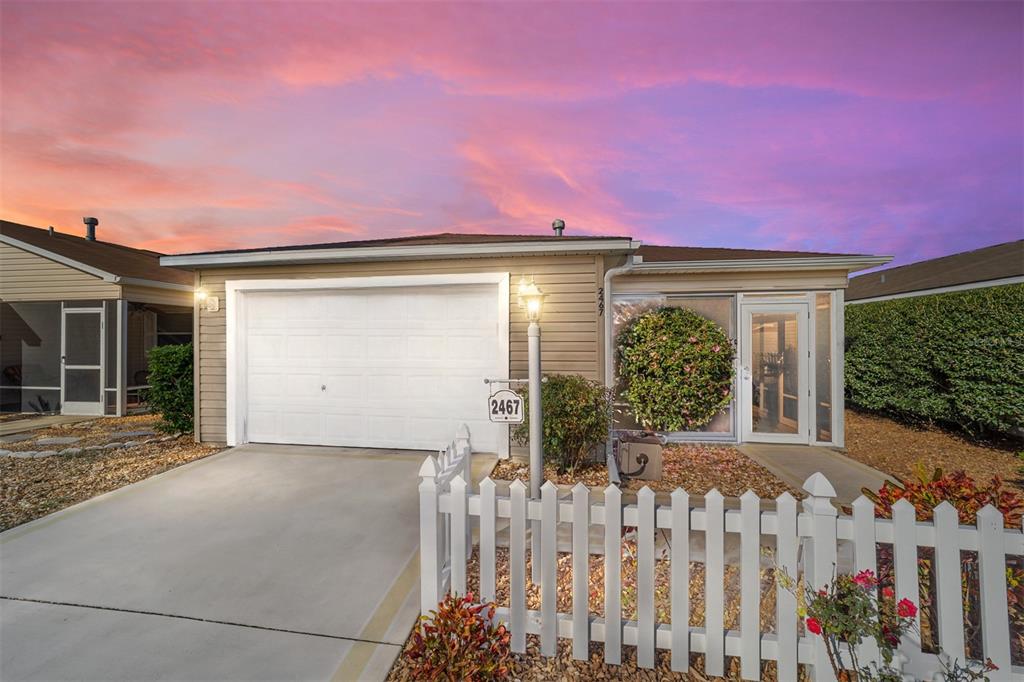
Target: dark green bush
{"points": [[954, 358], [676, 368], [577, 416], [171, 384]]}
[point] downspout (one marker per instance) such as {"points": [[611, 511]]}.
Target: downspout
{"points": [[609, 356]]}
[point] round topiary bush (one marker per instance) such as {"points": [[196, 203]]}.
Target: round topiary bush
{"points": [[675, 368]]}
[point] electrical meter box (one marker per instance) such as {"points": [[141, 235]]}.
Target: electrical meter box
{"points": [[640, 456]]}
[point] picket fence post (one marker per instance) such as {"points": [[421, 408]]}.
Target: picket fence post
{"points": [[430, 538], [820, 556]]}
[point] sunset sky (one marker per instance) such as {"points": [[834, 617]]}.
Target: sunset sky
{"points": [[851, 127]]}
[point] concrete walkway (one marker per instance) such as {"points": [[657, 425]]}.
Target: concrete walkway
{"points": [[264, 562], [793, 464], [42, 421]]}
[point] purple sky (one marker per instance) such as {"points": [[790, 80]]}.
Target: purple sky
{"points": [[855, 127]]}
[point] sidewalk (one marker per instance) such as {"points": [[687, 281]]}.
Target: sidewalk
{"points": [[43, 421], [795, 463]]}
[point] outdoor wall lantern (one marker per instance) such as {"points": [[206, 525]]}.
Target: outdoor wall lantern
{"points": [[210, 304], [531, 299]]}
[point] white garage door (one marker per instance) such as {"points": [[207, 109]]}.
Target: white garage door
{"points": [[387, 368]]}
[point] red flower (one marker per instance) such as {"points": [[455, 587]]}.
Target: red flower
{"points": [[814, 626], [906, 609], [865, 578], [888, 593]]}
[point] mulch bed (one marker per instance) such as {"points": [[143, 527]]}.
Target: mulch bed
{"points": [[533, 666], [98, 431], [901, 449], [697, 468], [31, 488]]}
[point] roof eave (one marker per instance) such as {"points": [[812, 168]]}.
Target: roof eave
{"points": [[848, 263], [388, 253]]}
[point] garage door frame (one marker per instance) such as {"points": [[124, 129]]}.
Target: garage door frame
{"points": [[235, 324]]}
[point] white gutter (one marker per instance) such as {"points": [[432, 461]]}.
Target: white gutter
{"points": [[848, 263], [631, 264], [338, 255], [942, 290]]}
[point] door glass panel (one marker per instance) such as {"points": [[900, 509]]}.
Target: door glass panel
{"points": [[775, 367], [82, 338], [81, 386], [823, 365]]}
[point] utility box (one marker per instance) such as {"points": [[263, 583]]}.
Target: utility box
{"points": [[639, 456]]}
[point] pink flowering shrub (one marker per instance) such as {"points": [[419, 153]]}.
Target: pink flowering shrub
{"points": [[676, 368], [850, 610]]}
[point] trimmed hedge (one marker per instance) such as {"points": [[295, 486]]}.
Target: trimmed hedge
{"points": [[676, 368], [955, 358], [171, 383]]}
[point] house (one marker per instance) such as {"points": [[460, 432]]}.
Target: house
{"points": [[990, 266], [77, 317], [386, 343]]}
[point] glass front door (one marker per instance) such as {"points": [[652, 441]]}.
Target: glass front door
{"points": [[774, 372], [82, 361]]}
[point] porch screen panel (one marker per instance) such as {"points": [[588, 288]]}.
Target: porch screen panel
{"points": [[110, 361], [720, 309], [82, 339], [823, 366], [30, 356]]}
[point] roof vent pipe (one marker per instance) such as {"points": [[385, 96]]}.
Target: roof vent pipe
{"points": [[51, 230], [90, 228], [558, 225]]}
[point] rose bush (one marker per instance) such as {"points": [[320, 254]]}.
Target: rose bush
{"points": [[676, 368]]}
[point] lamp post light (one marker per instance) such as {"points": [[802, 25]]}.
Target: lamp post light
{"points": [[531, 300]]}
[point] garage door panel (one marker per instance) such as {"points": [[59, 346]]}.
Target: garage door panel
{"points": [[402, 368]]}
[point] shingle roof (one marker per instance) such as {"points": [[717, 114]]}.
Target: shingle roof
{"points": [[123, 261], [441, 238], [981, 265], [661, 254]]}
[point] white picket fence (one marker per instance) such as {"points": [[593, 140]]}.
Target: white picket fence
{"points": [[805, 543]]}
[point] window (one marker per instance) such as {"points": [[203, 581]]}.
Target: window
{"points": [[823, 366]]}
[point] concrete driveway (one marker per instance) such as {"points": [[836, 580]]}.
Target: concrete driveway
{"points": [[259, 563]]}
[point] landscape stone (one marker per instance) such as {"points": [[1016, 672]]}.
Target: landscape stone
{"points": [[132, 434], [59, 440], [46, 453], [71, 451], [130, 443], [93, 448], [16, 438], [113, 446], [4, 453], [24, 453]]}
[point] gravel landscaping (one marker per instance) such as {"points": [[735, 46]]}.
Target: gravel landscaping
{"points": [[697, 468], [899, 449], [31, 487]]}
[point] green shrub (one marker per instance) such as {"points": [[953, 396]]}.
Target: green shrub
{"points": [[171, 384], [577, 416], [459, 641], [954, 358], [676, 368]]}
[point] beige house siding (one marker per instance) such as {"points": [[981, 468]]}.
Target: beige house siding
{"points": [[729, 282], [158, 295], [571, 326], [26, 276]]}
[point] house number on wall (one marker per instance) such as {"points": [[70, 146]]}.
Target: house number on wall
{"points": [[505, 406]]}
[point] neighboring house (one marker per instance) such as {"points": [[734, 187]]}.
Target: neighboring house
{"points": [[386, 343], [77, 318], [990, 266]]}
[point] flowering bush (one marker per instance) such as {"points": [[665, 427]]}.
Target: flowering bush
{"points": [[459, 641], [850, 610], [676, 368]]}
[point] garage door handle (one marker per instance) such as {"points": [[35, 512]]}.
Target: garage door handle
{"points": [[323, 387]]}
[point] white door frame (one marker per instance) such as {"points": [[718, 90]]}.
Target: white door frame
{"points": [[83, 408], [235, 324], [805, 419]]}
